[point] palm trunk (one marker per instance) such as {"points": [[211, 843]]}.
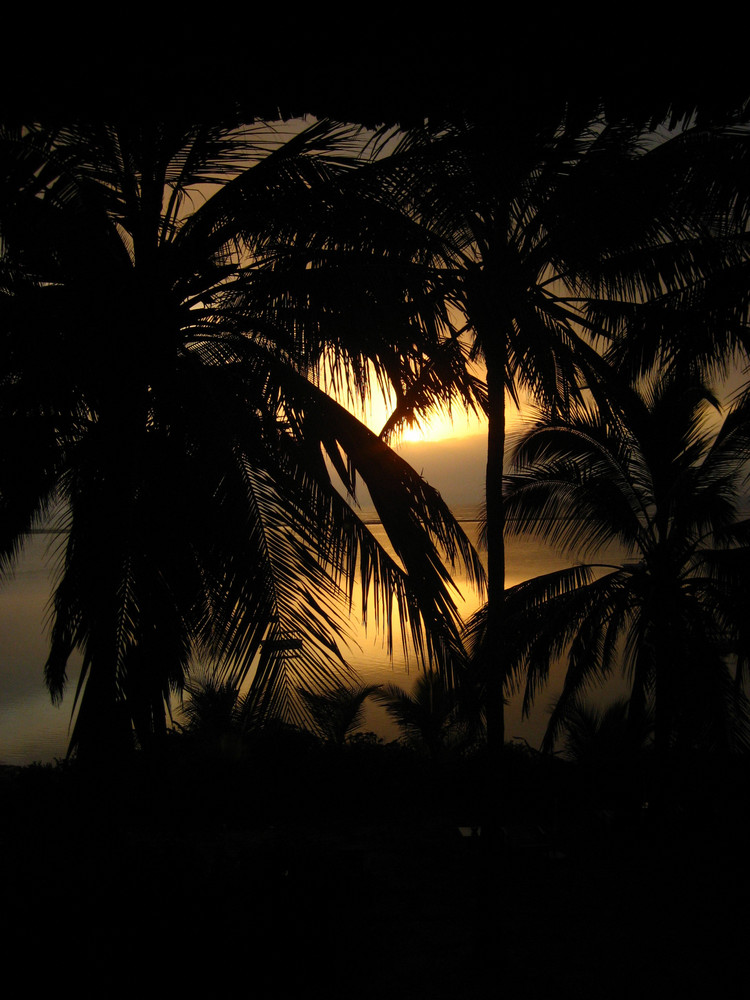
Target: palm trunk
{"points": [[494, 650]]}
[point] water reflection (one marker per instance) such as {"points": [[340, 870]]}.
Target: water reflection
{"points": [[32, 729], [525, 558]]}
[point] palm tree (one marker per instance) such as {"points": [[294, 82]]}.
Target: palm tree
{"points": [[214, 714], [213, 707], [336, 713], [164, 414], [527, 236], [601, 737], [430, 717], [655, 481]]}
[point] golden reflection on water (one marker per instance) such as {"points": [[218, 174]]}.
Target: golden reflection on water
{"points": [[32, 729], [525, 559]]}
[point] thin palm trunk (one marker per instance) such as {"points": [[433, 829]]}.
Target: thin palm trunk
{"points": [[495, 551]]}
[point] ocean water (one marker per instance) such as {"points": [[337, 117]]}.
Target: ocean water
{"points": [[32, 729], [525, 559]]}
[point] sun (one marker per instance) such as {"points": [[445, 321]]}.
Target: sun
{"points": [[419, 432], [441, 426]]}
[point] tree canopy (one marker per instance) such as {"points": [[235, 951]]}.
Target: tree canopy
{"points": [[669, 494]]}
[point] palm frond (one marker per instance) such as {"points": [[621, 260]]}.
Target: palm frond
{"points": [[336, 713], [649, 475]]}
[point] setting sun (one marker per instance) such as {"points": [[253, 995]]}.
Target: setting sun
{"points": [[442, 426]]}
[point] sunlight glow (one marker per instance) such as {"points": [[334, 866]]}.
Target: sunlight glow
{"points": [[375, 406], [442, 426]]}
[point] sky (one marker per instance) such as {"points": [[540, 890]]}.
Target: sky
{"points": [[448, 449], [450, 452]]}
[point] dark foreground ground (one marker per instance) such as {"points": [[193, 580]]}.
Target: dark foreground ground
{"points": [[304, 871]]}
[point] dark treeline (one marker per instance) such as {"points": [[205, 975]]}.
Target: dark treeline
{"points": [[327, 867]]}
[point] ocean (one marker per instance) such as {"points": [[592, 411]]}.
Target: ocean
{"points": [[32, 729]]}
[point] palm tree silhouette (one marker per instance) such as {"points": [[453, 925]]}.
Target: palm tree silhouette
{"points": [[654, 480], [430, 717], [336, 713], [603, 736], [531, 236], [162, 410]]}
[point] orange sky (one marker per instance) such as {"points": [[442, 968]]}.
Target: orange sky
{"points": [[438, 426]]}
